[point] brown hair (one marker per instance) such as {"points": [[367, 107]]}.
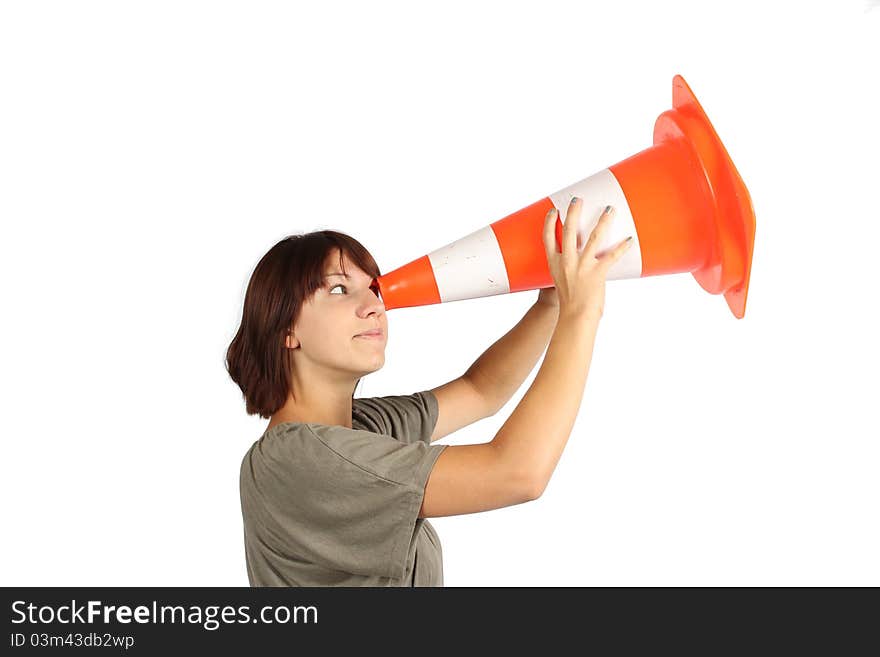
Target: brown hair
{"points": [[285, 278]]}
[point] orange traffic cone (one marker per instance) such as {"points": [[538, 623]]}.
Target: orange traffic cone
{"points": [[682, 200]]}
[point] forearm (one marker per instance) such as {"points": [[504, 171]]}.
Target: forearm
{"points": [[502, 368], [534, 436]]}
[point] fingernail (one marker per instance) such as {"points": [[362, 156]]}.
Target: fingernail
{"points": [[629, 239], [608, 209], [574, 199]]}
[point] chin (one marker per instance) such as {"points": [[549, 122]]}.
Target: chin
{"points": [[372, 361], [377, 363]]}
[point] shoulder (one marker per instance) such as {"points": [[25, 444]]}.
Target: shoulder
{"points": [[405, 417], [289, 436], [292, 453], [302, 454]]}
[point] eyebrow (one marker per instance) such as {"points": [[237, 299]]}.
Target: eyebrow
{"points": [[336, 273]]}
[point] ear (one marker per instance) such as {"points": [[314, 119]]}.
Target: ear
{"points": [[291, 342]]}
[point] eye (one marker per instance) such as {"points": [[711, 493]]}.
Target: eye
{"points": [[335, 286]]}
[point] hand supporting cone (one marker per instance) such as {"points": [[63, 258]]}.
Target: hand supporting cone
{"points": [[682, 200]]}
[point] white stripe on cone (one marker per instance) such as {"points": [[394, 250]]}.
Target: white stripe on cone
{"points": [[596, 192], [470, 267]]}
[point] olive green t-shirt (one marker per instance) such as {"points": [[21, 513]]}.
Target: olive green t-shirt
{"points": [[324, 505]]}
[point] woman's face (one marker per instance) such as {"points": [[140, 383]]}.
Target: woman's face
{"points": [[327, 329]]}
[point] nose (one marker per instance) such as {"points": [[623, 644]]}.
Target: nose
{"points": [[372, 304]]}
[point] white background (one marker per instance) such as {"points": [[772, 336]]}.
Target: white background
{"points": [[151, 153]]}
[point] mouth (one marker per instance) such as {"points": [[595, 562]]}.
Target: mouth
{"points": [[374, 334]]}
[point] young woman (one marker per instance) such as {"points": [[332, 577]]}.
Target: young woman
{"points": [[337, 490]]}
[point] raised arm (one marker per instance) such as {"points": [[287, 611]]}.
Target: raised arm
{"points": [[516, 465]]}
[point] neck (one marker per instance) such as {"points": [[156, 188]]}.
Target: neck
{"points": [[322, 401]]}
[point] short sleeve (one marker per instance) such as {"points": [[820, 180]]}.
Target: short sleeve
{"points": [[409, 418], [346, 499]]}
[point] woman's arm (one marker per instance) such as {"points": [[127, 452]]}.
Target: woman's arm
{"points": [[516, 465], [535, 434], [500, 371]]}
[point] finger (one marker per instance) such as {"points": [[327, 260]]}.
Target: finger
{"points": [[569, 231], [598, 231], [615, 254], [551, 219]]}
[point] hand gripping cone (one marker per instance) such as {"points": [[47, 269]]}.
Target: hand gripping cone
{"points": [[682, 200]]}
